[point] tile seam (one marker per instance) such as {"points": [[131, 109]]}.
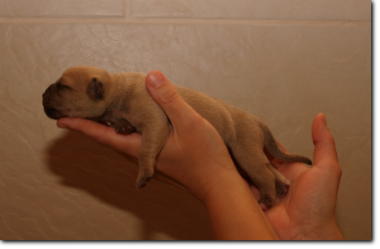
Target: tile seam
{"points": [[150, 21], [127, 9]]}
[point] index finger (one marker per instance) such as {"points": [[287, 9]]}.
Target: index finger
{"points": [[107, 136]]}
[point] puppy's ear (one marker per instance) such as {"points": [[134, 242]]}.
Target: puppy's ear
{"points": [[95, 89]]}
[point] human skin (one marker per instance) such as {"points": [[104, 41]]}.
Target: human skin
{"points": [[307, 212], [195, 156]]}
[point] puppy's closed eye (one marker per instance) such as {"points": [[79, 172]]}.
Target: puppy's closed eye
{"points": [[61, 86]]}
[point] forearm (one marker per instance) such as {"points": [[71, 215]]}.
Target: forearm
{"points": [[234, 213]]}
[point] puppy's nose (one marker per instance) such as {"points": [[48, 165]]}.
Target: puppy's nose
{"points": [[52, 112], [45, 99], [47, 95]]}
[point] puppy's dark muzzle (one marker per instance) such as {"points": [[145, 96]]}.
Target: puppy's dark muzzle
{"points": [[47, 96], [50, 111]]}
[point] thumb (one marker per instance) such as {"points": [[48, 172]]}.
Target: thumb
{"points": [[324, 151], [166, 96]]}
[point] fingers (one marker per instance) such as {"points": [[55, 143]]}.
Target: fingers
{"points": [[166, 96], [324, 151], [104, 135]]}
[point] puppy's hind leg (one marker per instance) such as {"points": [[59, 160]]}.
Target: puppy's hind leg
{"points": [[152, 141], [253, 163], [282, 184]]}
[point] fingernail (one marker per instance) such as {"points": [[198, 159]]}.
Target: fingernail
{"points": [[155, 79], [324, 119]]}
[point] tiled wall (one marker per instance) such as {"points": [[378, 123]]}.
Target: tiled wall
{"points": [[353, 10], [62, 8], [282, 60]]}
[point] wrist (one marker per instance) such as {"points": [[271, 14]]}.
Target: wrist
{"points": [[234, 212], [227, 182], [329, 232], [206, 184]]}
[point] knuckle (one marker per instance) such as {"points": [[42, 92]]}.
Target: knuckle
{"points": [[169, 95], [199, 124], [339, 172], [81, 124], [335, 168], [193, 120], [104, 137], [199, 120], [330, 139], [336, 172], [86, 125]]}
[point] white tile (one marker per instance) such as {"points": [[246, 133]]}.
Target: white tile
{"points": [[62, 8]]}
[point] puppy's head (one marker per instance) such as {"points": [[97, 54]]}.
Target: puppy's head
{"points": [[80, 92]]}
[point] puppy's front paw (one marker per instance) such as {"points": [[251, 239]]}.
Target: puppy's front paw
{"points": [[123, 126], [144, 177]]}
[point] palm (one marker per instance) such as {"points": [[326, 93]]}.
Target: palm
{"points": [[290, 211], [309, 197], [309, 206]]}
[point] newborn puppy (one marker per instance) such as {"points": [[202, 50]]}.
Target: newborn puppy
{"points": [[122, 101]]}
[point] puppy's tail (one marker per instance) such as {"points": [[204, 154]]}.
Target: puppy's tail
{"points": [[275, 151]]}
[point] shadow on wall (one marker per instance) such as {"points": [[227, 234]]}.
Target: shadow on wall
{"points": [[83, 164]]}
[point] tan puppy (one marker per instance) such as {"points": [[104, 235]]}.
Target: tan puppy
{"points": [[122, 101]]}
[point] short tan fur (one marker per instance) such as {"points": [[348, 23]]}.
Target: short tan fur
{"points": [[122, 101]]}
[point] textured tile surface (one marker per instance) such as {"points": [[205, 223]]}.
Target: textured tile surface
{"points": [[65, 8], [254, 9], [61, 185]]}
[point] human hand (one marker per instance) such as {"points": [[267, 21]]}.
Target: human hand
{"points": [[308, 209], [194, 153]]}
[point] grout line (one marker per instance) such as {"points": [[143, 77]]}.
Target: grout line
{"points": [[126, 9], [113, 20]]}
